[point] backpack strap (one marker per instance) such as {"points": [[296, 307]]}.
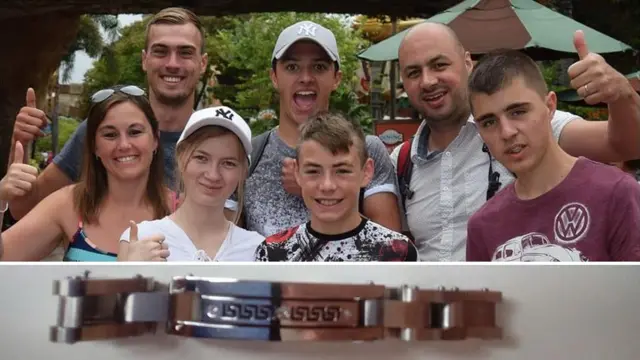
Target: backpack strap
{"points": [[494, 176], [404, 168], [258, 144]]}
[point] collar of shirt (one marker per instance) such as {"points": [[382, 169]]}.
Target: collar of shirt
{"points": [[420, 153]]}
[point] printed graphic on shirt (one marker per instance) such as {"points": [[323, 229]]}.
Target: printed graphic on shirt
{"points": [[591, 215], [269, 208], [368, 242], [571, 224]]}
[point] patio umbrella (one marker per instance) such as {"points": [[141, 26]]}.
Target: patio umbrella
{"points": [[485, 25], [571, 96]]}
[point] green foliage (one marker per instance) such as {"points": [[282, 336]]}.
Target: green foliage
{"points": [[126, 68], [345, 101], [66, 127], [89, 40]]}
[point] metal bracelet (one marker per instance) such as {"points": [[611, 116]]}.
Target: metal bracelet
{"points": [[218, 308]]}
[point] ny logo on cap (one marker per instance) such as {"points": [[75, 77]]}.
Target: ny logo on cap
{"points": [[307, 30], [225, 114]]}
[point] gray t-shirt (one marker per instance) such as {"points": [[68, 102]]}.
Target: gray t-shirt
{"points": [[69, 160], [269, 208]]}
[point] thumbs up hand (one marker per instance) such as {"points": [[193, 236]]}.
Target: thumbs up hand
{"points": [[151, 248], [30, 121], [20, 177], [594, 79]]}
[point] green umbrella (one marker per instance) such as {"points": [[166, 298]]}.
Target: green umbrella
{"points": [[571, 96], [485, 25]]}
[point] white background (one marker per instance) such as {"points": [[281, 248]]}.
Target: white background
{"points": [[549, 312]]}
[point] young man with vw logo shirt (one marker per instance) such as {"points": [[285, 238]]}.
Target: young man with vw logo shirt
{"points": [[560, 207], [305, 71]]}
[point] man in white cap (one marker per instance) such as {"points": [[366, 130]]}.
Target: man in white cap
{"points": [[305, 71]]}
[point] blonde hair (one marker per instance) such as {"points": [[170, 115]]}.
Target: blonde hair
{"points": [[186, 148], [176, 16]]}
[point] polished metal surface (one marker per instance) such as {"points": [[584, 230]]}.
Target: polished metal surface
{"points": [[222, 308]]}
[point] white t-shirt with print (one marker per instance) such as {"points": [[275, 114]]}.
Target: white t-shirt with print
{"points": [[239, 245]]}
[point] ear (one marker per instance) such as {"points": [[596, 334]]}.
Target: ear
{"points": [[337, 80], [203, 63], [274, 78], [368, 171], [143, 59], [155, 141], [551, 101], [468, 63]]}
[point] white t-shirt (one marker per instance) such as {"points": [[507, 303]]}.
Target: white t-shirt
{"points": [[239, 245]]}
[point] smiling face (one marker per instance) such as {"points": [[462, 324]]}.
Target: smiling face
{"points": [[125, 142], [174, 62], [514, 122], [434, 69], [213, 164], [330, 183], [305, 77]]}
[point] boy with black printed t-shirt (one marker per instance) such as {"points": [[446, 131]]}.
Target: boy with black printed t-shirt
{"points": [[332, 165]]}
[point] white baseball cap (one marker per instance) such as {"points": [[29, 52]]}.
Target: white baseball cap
{"points": [[220, 116], [307, 30]]}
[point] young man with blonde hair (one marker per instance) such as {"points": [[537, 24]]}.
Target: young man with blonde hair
{"points": [[332, 166]]}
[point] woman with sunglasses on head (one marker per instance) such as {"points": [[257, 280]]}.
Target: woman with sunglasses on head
{"points": [[212, 157], [122, 179]]}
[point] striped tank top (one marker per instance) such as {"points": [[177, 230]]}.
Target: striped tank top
{"points": [[82, 249]]}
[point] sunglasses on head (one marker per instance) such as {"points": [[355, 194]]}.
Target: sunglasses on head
{"points": [[104, 94]]}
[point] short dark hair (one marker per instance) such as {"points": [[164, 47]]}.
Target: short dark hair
{"points": [[499, 68], [335, 132]]}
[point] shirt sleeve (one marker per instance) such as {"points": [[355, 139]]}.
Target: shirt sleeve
{"points": [[69, 160], [384, 176], [624, 211], [560, 120], [476, 249]]}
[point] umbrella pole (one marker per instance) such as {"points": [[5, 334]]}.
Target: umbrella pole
{"points": [[392, 76]]}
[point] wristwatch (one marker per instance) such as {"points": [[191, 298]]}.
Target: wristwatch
{"points": [[221, 308]]}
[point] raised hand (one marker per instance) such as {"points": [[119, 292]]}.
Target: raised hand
{"points": [[20, 177], [150, 248], [592, 77], [30, 121]]}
